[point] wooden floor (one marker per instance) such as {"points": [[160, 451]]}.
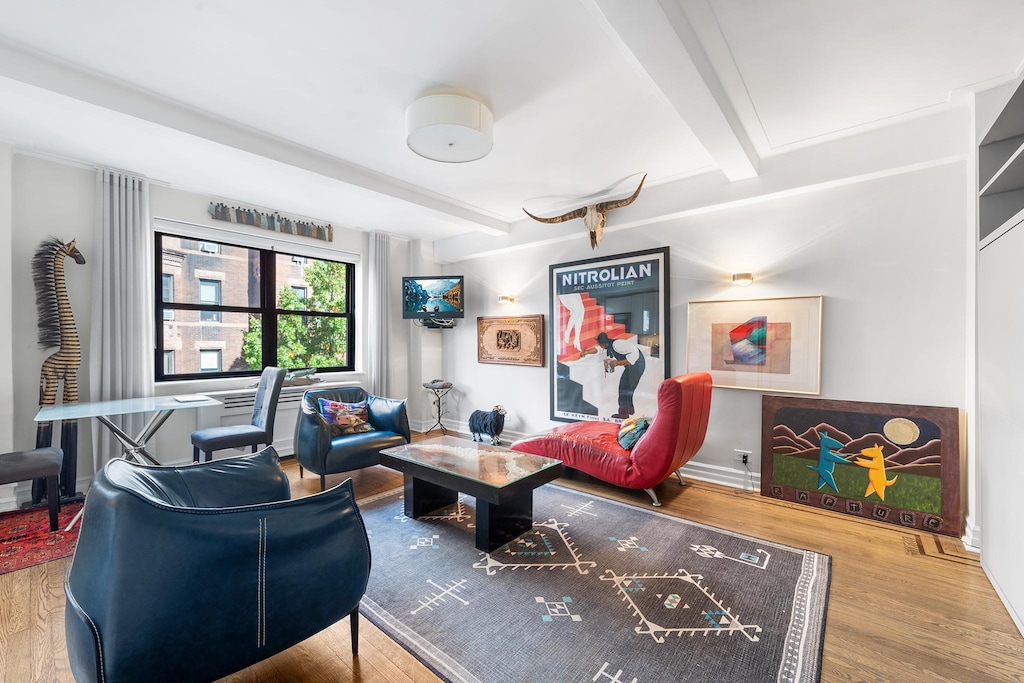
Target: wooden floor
{"points": [[903, 606]]}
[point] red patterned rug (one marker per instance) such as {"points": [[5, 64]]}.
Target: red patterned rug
{"points": [[26, 540]]}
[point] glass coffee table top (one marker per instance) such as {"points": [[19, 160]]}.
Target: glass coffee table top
{"points": [[491, 465]]}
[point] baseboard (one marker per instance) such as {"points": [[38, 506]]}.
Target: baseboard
{"points": [[1002, 596], [726, 476], [8, 501], [715, 474], [460, 427], [972, 535], [13, 496]]}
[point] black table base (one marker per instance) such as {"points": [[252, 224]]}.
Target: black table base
{"points": [[496, 524]]}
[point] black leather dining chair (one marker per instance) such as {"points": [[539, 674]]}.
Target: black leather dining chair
{"points": [[260, 430], [188, 574]]}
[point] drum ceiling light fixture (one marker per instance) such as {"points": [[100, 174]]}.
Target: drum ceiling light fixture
{"points": [[449, 128]]}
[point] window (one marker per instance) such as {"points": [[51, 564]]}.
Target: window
{"points": [[246, 311], [168, 294], [209, 293], [209, 360]]}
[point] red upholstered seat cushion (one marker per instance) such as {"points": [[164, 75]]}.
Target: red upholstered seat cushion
{"points": [[675, 436]]}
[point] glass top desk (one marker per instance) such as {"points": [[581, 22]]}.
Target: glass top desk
{"points": [[501, 480], [133, 447]]}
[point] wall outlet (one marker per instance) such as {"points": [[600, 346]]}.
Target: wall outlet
{"points": [[741, 455]]}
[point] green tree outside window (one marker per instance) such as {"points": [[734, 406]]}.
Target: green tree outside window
{"points": [[305, 339]]}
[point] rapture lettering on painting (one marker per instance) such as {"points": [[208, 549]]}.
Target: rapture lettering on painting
{"points": [[609, 326]]}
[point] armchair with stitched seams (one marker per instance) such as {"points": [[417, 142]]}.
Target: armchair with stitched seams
{"points": [[192, 573], [321, 453]]}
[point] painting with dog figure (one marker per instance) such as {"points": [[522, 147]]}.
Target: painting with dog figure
{"points": [[887, 462], [609, 336]]}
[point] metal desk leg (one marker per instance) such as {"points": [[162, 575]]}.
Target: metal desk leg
{"points": [[136, 448]]}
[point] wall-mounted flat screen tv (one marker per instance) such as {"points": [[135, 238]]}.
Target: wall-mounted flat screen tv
{"points": [[438, 297]]}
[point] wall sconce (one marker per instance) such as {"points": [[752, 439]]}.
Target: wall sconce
{"points": [[742, 279], [506, 299]]}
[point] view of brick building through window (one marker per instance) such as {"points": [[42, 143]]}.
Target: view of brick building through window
{"points": [[200, 280]]}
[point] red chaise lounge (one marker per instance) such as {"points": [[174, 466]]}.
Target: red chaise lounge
{"points": [[675, 435]]}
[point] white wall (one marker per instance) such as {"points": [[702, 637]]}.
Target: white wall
{"points": [[1000, 301], [49, 199], [887, 254], [6, 331], [39, 198], [6, 282], [1000, 400]]}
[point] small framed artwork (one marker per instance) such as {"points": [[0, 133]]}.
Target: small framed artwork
{"points": [[758, 344], [510, 340]]}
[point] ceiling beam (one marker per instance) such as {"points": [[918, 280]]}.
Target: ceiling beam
{"points": [[64, 78], [657, 38], [906, 147]]}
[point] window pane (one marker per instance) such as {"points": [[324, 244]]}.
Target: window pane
{"points": [[188, 264], [311, 341], [209, 360], [207, 278], [324, 282], [209, 292], [237, 337]]}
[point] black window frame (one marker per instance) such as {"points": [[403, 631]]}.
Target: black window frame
{"points": [[267, 311]]}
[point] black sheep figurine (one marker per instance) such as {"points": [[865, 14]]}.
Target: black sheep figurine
{"points": [[489, 422]]}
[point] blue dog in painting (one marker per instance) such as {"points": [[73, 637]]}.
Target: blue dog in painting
{"points": [[827, 459]]}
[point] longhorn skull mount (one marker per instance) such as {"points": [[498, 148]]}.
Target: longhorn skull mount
{"points": [[593, 215]]}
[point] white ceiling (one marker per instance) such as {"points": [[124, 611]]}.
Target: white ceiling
{"points": [[300, 106]]}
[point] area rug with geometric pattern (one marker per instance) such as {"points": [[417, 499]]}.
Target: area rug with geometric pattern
{"points": [[597, 591], [26, 539]]}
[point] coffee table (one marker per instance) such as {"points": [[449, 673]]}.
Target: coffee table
{"points": [[501, 480]]}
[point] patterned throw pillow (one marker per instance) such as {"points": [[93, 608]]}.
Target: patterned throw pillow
{"points": [[631, 430], [345, 418]]}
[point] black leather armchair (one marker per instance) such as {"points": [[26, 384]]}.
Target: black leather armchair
{"points": [[317, 452], [192, 573]]}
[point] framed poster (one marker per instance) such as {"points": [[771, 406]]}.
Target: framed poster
{"points": [[512, 340], [609, 340], [759, 344], [883, 461]]}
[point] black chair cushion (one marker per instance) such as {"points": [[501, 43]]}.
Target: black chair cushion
{"points": [[25, 465], [353, 451], [229, 436]]}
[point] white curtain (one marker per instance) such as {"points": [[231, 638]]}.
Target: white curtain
{"points": [[379, 319], [121, 339]]}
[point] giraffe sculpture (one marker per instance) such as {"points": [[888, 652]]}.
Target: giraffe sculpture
{"points": [[57, 328]]}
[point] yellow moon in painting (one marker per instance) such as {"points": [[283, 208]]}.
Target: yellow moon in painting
{"points": [[901, 431]]}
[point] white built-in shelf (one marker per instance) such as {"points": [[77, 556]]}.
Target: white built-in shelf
{"points": [[1001, 169]]}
